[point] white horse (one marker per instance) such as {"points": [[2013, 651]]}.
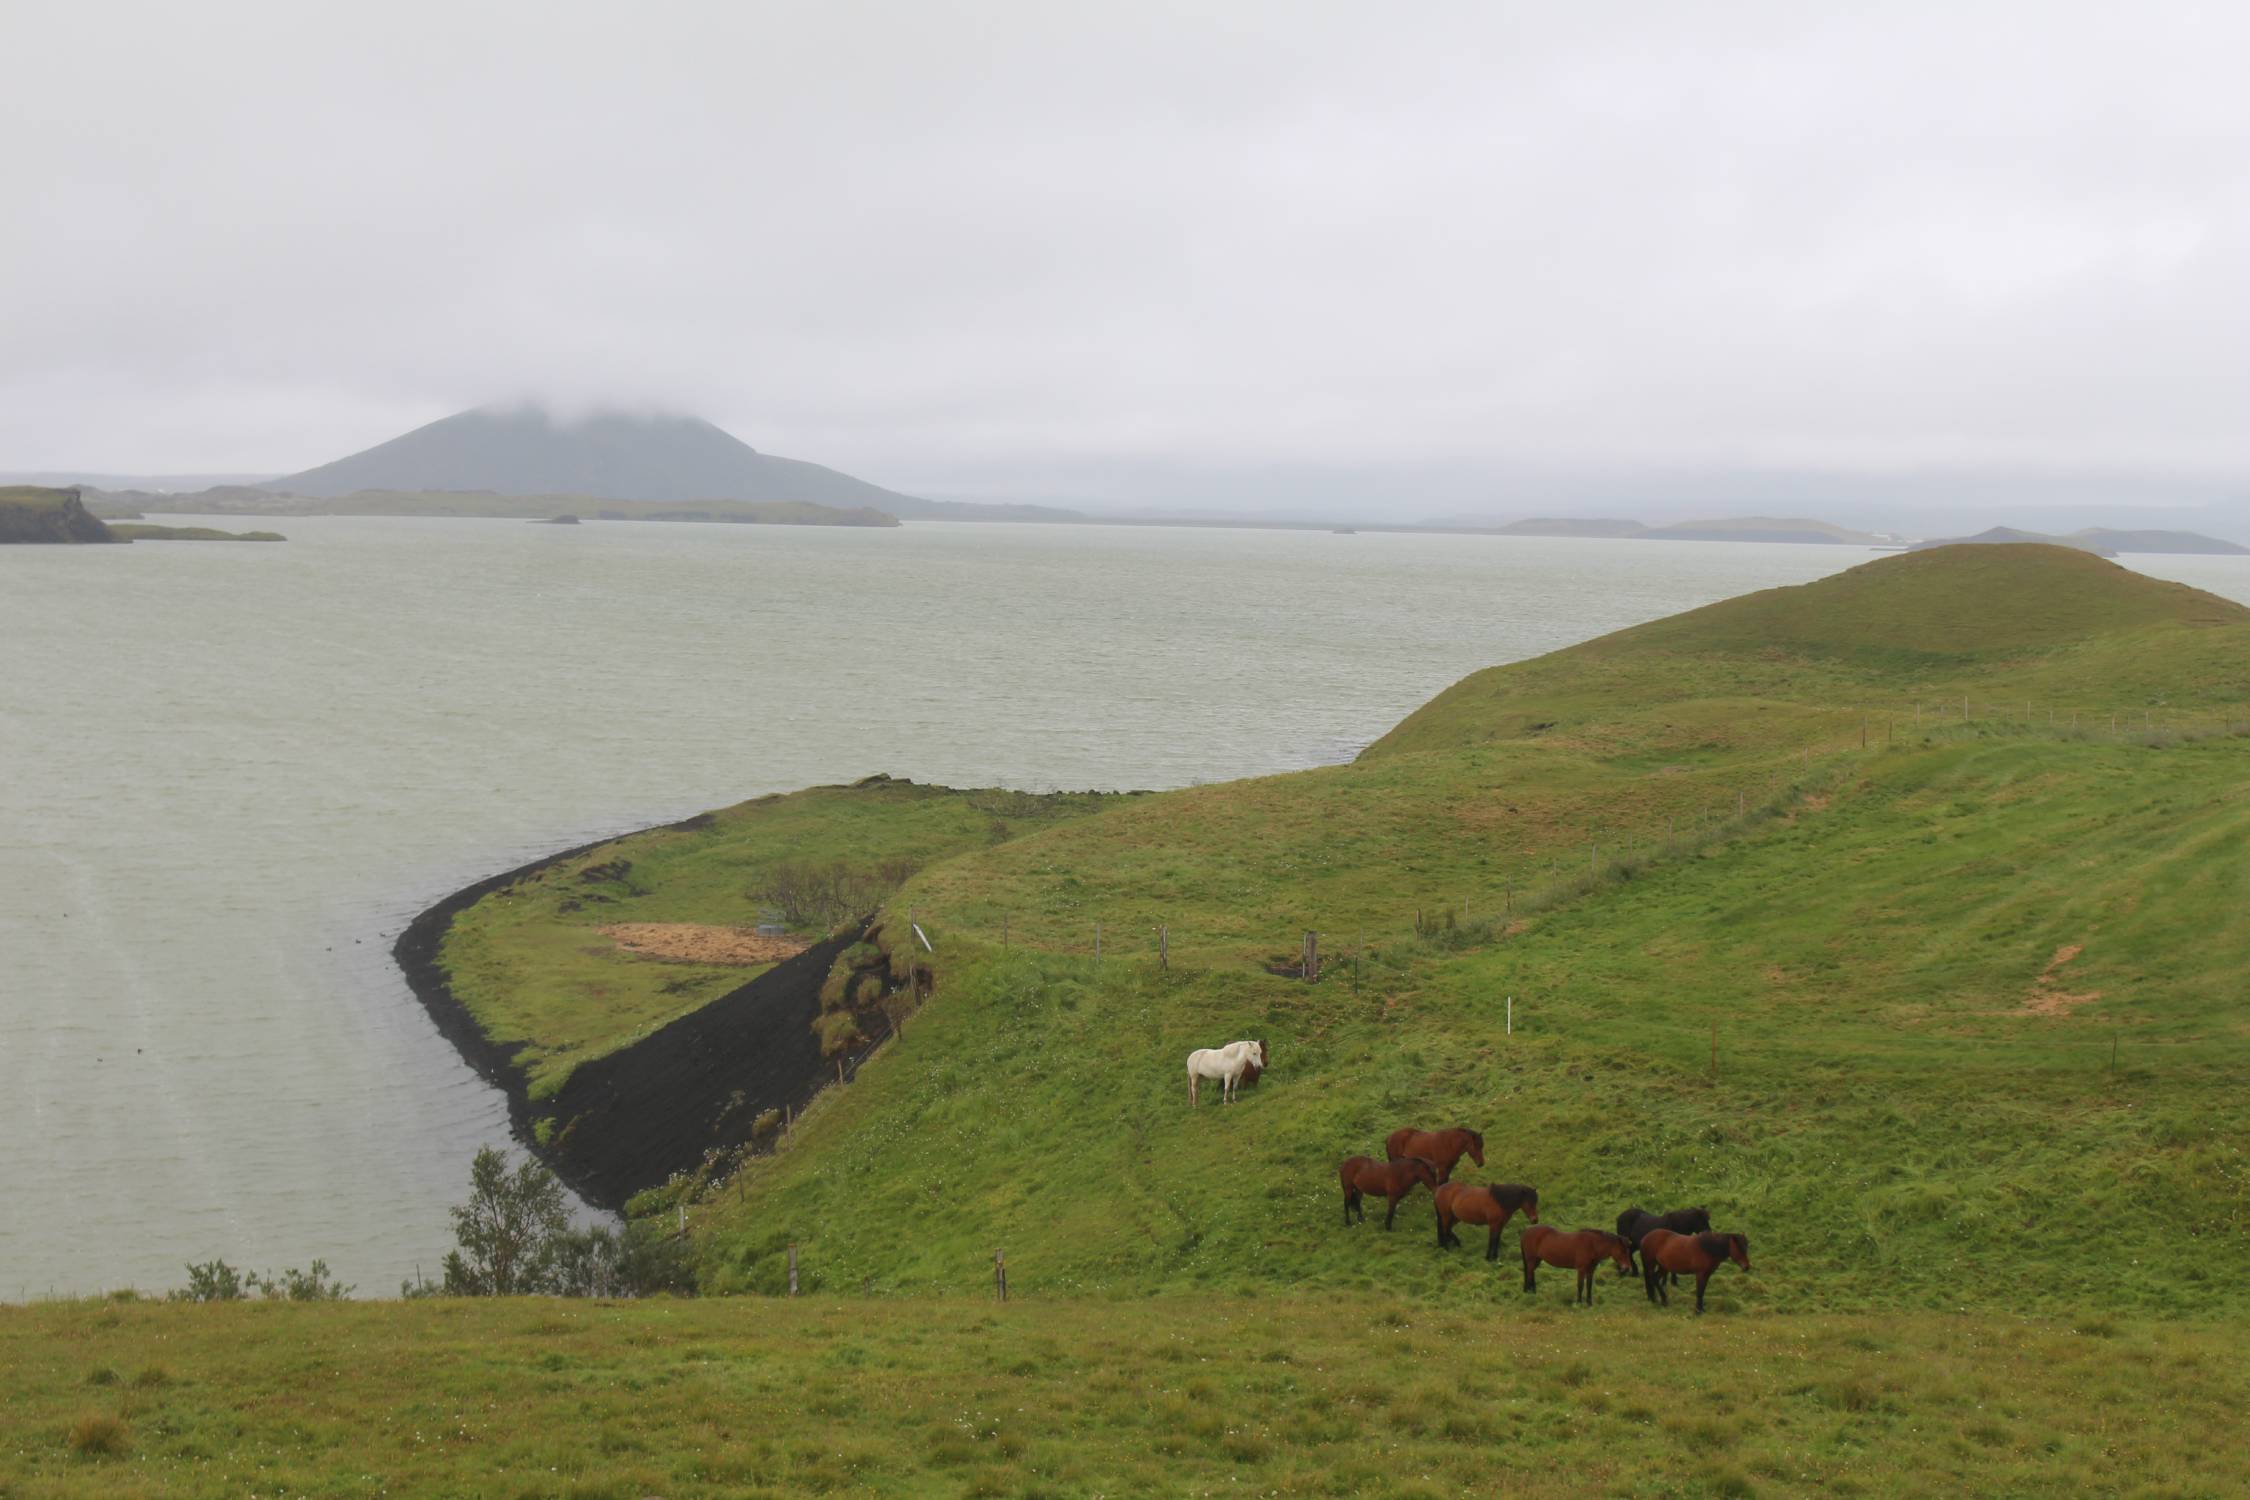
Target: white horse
{"points": [[1226, 1064]]}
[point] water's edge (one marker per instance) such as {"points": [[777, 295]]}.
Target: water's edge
{"points": [[632, 1118]]}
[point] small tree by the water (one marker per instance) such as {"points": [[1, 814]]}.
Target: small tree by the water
{"points": [[515, 1240], [508, 1229]]}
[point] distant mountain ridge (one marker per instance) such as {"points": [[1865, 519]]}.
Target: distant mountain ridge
{"points": [[2101, 541], [1727, 529], [609, 456]]}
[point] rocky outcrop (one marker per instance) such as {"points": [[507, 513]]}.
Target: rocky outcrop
{"points": [[31, 513]]}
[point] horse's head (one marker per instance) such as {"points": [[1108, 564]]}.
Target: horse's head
{"points": [[1738, 1250], [1695, 1221], [1527, 1201], [1423, 1169], [1476, 1145], [1618, 1250], [1263, 1064]]}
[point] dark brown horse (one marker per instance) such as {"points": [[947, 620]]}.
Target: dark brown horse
{"points": [[1696, 1255], [1636, 1222], [1393, 1179], [1579, 1250], [1459, 1203], [1440, 1148]]}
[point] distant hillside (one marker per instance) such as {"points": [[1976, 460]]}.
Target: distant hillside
{"points": [[238, 501], [2102, 538], [1729, 529], [2008, 536], [32, 513], [609, 456], [1761, 529]]}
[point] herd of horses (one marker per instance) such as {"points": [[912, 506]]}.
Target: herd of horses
{"points": [[1660, 1247]]}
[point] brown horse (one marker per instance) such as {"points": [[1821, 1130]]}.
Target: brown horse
{"points": [[1697, 1255], [1393, 1179], [1441, 1148], [1578, 1250], [1636, 1222], [1458, 1203]]}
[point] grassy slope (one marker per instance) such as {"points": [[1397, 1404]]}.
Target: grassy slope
{"points": [[1288, 1395], [1889, 1122], [529, 964], [1886, 1118]]}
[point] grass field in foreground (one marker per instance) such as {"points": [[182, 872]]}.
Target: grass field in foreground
{"points": [[1285, 1395]]}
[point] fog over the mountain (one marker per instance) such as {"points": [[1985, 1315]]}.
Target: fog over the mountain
{"points": [[1400, 261]]}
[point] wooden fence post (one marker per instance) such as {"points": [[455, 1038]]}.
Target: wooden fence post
{"points": [[1312, 957], [1163, 947], [1000, 1275], [1511, 1015], [792, 1268]]}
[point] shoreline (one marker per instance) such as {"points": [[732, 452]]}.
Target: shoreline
{"points": [[631, 1118], [415, 952]]}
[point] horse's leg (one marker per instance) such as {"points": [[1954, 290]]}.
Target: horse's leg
{"points": [[1652, 1277], [1530, 1271], [1442, 1229], [1391, 1213], [1492, 1241], [1702, 1279]]}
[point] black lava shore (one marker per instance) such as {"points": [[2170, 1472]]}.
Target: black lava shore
{"points": [[629, 1120]]}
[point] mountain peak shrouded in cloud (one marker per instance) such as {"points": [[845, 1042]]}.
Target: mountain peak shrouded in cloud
{"points": [[609, 454], [1495, 258]]}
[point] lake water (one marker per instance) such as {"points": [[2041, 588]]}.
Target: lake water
{"points": [[233, 773]]}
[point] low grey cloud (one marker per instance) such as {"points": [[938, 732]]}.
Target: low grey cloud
{"points": [[1153, 251]]}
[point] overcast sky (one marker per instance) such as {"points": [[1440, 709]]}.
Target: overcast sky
{"points": [[1173, 252]]}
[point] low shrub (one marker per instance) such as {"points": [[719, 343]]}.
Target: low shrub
{"points": [[100, 1434]]}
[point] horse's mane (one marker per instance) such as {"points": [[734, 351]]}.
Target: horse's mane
{"points": [[1474, 1135], [1718, 1246], [1512, 1195]]}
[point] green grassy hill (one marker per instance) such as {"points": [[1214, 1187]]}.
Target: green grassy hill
{"points": [[1917, 954]]}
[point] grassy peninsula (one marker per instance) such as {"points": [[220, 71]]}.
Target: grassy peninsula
{"points": [[539, 962], [1898, 919]]}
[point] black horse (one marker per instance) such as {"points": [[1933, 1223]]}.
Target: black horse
{"points": [[1637, 1221]]}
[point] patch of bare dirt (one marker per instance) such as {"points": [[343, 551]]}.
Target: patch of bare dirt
{"points": [[694, 943], [2048, 997]]}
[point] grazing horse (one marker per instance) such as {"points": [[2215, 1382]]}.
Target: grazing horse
{"points": [[1458, 1203], [1697, 1255], [1393, 1179], [1637, 1221], [1441, 1148], [1227, 1064], [1578, 1250]]}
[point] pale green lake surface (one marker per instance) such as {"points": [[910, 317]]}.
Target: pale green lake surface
{"points": [[233, 773]]}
